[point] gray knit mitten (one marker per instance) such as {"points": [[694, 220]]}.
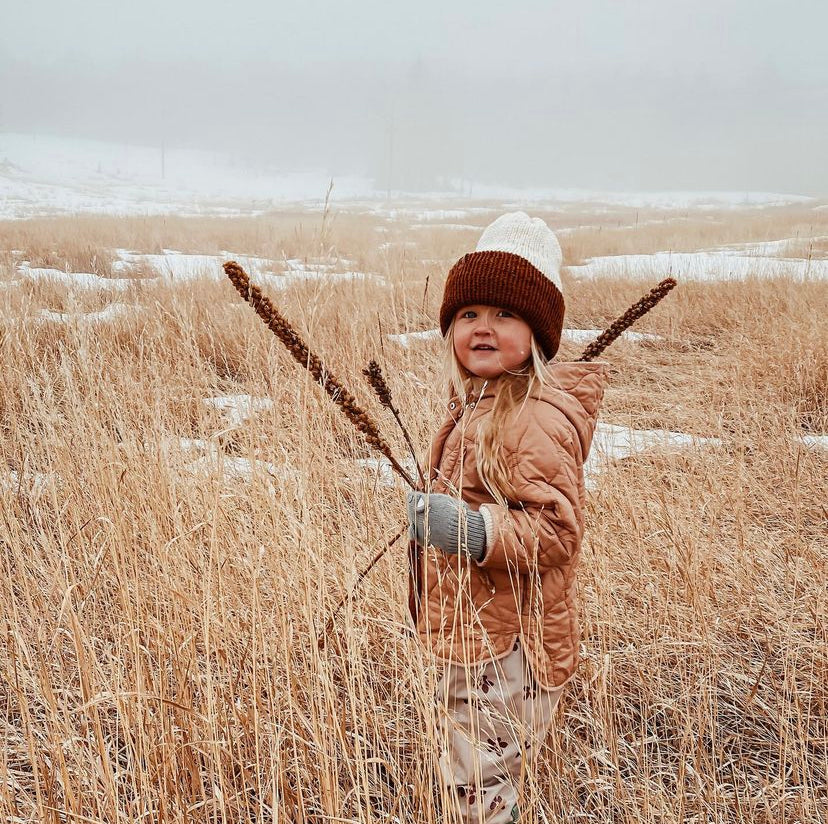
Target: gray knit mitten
{"points": [[446, 523]]}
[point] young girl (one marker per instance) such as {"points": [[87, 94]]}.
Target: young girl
{"points": [[495, 541]]}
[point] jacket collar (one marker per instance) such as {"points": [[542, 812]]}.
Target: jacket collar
{"points": [[584, 380], [576, 388]]}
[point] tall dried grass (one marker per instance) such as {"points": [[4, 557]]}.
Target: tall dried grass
{"points": [[158, 659]]}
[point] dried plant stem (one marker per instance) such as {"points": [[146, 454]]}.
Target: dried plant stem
{"points": [[322, 638], [626, 320], [373, 372], [293, 342]]}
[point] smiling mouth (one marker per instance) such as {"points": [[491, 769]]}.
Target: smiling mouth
{"points": [[483, 348]]}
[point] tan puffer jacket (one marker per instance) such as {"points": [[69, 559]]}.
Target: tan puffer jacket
{"points": [[524, 588]]}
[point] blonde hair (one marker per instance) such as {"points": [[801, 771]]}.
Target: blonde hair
{"points": [[513, 389]]}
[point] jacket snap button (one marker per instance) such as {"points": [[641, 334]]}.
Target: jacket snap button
{"points": [[452, 405]]}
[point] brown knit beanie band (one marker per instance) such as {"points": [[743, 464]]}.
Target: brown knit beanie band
{"points": [[507, 280]]}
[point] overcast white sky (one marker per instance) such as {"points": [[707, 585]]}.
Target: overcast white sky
{"points": [[595, 93]]}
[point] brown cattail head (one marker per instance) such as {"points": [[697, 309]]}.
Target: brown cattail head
{"points": [[373, 373], [297, 347], [626, 320]]}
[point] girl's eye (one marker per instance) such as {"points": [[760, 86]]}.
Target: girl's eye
{"points": [[505, 313], [469, 313]]}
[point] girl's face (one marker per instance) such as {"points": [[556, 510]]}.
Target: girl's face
{"points": [[491, 340]]}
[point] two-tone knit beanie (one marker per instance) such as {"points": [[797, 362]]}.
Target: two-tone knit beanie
{"points": [[516, 265]]}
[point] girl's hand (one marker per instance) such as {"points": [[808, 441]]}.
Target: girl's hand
{"points": [[447, 523]]}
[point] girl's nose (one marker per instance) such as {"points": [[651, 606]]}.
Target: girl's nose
{"points": [[484, 322]]}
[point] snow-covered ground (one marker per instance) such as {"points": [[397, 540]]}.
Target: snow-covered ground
{"points": [[814, 441], [176, 267], [612, 443], [44, 175], [31, 485], [239, 408], [72, 280], [114, 311], [41, 175], [785, 248], [407, 339], [723, 265]]}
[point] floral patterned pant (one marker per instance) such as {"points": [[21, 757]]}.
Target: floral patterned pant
{"points": [[492, 717]]}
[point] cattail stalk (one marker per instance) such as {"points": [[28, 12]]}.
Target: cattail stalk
{"points": [[626, 320], [293, 342], [373, 373]]}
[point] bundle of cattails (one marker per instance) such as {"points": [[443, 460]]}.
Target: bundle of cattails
{"points": [[293, 342]]}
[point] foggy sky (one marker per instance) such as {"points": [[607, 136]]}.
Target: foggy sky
{"points": [[607, 94]]}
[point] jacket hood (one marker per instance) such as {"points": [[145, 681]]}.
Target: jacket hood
{"points": [[584, 380], [576, 388]]}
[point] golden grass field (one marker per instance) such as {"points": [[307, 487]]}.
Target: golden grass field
{"points": [[158, 659]]}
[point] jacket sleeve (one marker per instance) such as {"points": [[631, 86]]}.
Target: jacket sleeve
{"points": [[543, 529]]}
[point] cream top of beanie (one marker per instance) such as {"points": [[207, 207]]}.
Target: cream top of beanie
{"points": [[528, 237]]}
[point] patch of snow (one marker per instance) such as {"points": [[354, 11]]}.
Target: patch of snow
{"points": [[397, 244], [81, 280], [814, 441], [302, 265], [706, 266], [425, 213], [235, 467], [641, 200], [33, 484], [612, 442], [173, 447], [589, 335], [289, 278], [180, 267], [768, 248], [381, 471], [239, 408], [407, 338], [435, 215], [461, 227], [177, 266], [196, 445], [112, 312]]}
